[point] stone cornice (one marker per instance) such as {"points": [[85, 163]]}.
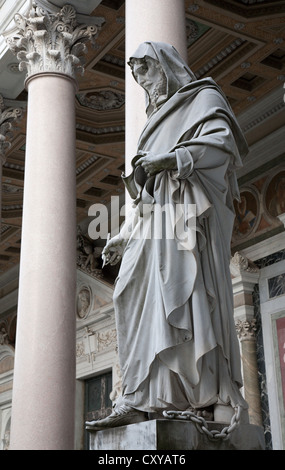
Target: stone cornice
{"points": [[52, 42], [265, 108], [220, 57]]}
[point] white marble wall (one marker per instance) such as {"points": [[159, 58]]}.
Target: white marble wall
{"points": [[96, 340]]}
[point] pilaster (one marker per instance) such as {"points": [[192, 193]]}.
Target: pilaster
{"points": [[244, 277]]}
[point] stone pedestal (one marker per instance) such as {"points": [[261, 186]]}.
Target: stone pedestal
{"points": [[175, 435]]}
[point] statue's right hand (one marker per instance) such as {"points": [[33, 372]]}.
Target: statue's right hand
{"points": [[113, 250]]}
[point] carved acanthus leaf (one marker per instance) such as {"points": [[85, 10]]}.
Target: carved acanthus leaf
{"points": [[246, 329], [51, 42], [240, 263]]}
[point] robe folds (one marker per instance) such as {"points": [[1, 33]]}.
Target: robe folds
{"points": [[173, 298]]}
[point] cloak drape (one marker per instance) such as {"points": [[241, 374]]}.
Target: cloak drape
{"points": [[173, 299]]}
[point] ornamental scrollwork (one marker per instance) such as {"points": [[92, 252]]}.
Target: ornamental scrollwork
{"points": [[107, 339], [51, 42], [8, 115], [88, 255]]}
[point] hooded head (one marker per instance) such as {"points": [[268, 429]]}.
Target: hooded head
{"points": [[176, 71]]}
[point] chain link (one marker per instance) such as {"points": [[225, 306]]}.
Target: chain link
{"points": [[202, 425]]}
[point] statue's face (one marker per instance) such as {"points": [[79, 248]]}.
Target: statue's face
{"points": [[149, 75]]}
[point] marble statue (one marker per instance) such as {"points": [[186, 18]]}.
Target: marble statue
{"points": [[173, 301]]}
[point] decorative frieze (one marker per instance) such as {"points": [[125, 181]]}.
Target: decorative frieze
{"points": [[50, 41], [95, 342], [107, 339], [100, 131], [88, 256]]}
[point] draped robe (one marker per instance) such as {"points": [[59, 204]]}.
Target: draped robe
{"points": [[173, 300]]}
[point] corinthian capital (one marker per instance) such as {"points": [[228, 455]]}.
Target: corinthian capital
{"points": [[246, 329], [240, 263], [8, 115], [48, 41]]}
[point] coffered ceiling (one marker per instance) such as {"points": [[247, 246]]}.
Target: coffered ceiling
{"points": [[240, 43]]}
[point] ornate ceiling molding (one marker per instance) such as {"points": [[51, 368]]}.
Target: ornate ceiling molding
{"points": [[101, 100], [227, 51], [250, 8]]}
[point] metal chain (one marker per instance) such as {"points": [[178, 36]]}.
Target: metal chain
{"points": [[202, 425]]}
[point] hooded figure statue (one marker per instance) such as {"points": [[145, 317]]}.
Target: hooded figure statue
{"points": [[173, 300]]}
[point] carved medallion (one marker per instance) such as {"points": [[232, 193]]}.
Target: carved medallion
{"points": [[83, 302], [104, 100]]}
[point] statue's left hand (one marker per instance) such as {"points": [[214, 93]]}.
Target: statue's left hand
{"points": [[113, 250], [153, 164]]}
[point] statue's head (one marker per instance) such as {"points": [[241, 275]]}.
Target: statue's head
{"points": [[150, 75], [160, 70]]}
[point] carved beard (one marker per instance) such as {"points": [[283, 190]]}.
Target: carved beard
{"points": [[158, 91]]}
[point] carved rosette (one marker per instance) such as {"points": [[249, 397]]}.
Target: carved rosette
{"points": [[8, 115], [51, 42]]}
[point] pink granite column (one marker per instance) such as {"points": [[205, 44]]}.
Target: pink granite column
{"points": [[44, 376]]}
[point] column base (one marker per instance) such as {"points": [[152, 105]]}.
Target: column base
{"points": [[175, 435]]}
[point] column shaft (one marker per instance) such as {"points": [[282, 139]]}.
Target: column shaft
{"points": [[44, 374], [148, 20], [250, 377]]}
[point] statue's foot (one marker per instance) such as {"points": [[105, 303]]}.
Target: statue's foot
{"points": [[121, 416]]}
